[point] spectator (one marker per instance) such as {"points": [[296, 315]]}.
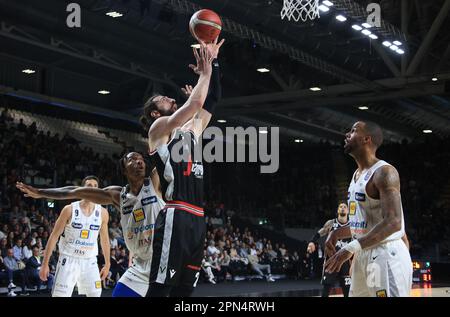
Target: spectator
{"points": [[33, 267], [28, 250], [224, 263], [18, 250], [207, 267], [4, 247], [257, 267], [212, 248], [123, 262], [15, 270]]}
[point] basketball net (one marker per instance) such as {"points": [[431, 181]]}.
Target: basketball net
{"points": [[300, 10]]}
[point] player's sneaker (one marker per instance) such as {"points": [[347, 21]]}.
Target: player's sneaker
{"points": [[12, 294], [12, 285]]}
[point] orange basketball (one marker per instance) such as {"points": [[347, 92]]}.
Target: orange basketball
{"points": [[205, 25]]}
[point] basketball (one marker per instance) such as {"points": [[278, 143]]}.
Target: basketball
{"points": [[205, 25]]}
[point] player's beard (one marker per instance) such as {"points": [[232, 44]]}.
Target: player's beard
{"points": [[343, 215]]}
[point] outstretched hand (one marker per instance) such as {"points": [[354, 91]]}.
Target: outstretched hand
{"points": [[206, 53], [28, 191]]}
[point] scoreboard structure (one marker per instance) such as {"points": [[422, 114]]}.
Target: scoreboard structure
{"points": [[421, 271]]}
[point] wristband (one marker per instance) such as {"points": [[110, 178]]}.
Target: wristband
{"points": [[353, 247]]}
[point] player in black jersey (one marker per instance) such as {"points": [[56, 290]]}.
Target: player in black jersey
{"points": [[343, 276], [180, 228]]}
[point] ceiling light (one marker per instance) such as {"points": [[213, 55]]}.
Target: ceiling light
{"points": [[373, 36], [298, 141], [222, 121], [356, 27], [394, 47], [341, 18], [398, 43], [387, 43], [114, 14], [195, 45], [104, 92], [367, 25], [363, 108], [427, 131], [434, 79], [324, 8], [328, 3], [315, 89], [400, 51], [366, 32], [28, 71], [263, 70]]}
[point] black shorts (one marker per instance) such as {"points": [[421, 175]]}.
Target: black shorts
{"points": [[178, 245], [343, 276]]}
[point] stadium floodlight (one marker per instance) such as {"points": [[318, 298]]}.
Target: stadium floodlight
{"points": [[341, 18], [324, 8], [114, 14], [400, 51], [28, 71], [394, 47], [387, 43], [427, 131], [104, 92], [398, 43], [315, 89], [363, 108], [373, 36], [263, 70], [366, 32], [356, 27]]}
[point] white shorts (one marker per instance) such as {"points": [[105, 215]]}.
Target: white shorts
{"points": [[383, 271], [83, 272], [137, 276]]}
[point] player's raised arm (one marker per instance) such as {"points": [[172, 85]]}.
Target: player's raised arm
{"points": [[204, 115], [165, 125], [106, 196]]}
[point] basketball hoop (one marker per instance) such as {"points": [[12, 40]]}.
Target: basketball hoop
{"points": [[300, 10]]}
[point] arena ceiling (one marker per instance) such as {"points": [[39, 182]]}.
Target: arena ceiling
{"points": [[148, 49]]}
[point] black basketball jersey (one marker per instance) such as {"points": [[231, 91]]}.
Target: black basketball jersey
{"points": [[340, 243], [180, 180]]}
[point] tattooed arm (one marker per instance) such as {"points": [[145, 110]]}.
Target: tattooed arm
{"points": [[387, 181]]}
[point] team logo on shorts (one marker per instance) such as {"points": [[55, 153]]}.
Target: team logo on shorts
{"points": [[382, 293], [352, 208], [138, 215], [84, 234], [98, 284]]}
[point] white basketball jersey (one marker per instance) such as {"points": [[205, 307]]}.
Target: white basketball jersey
{"points": [[81, 233], [138, 216], [364, 211]]}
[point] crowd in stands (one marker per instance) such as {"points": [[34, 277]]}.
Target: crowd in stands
{"points": [[302, 193]]}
